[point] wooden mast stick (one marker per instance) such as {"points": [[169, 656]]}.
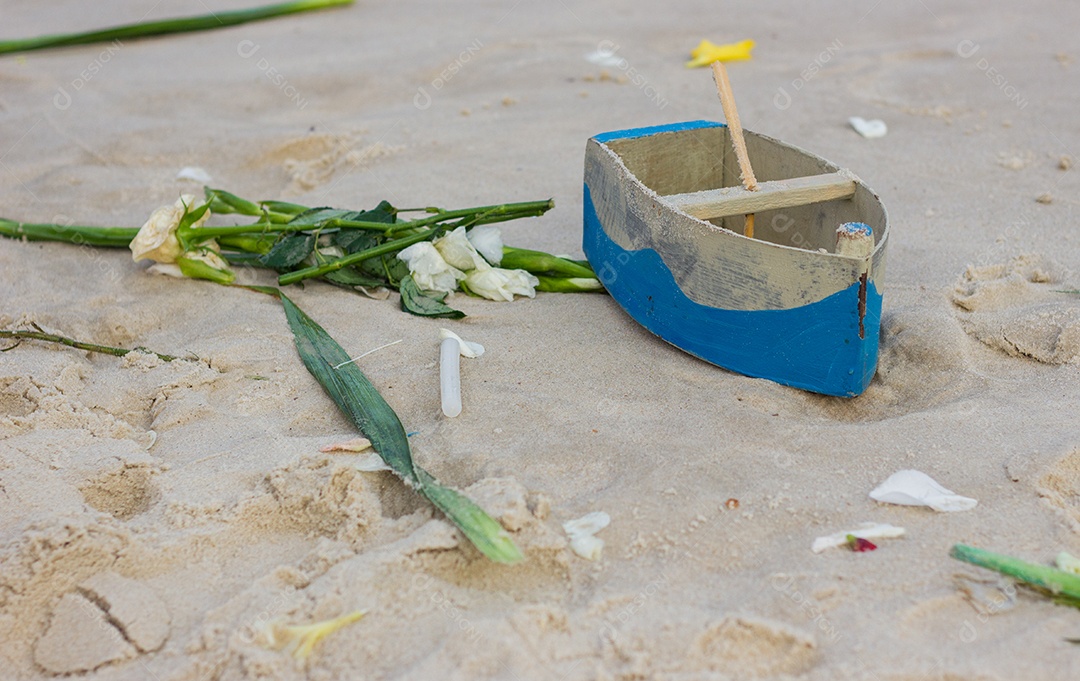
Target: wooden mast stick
{"points": [[727, 101]]}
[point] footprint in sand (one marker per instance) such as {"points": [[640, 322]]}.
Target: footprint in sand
{"points": [[1017, 308], [313, 160], [753, 648], [1060, 486]]}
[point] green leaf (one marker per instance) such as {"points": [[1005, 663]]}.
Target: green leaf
{"points": [[359, 400], [385, 266], [314, 216], [290, 251], [425, 304], [349, 277], [384, 212], [354, 240]]}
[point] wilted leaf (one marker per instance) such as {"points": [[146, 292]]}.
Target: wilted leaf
{"points": [[425, 304], [347, 276]]}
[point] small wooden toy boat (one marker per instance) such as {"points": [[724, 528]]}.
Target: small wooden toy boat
{"points": [[799, 303]]}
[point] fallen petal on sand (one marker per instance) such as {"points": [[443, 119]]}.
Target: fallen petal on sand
{"points": [[915, 488], [582, 533]]}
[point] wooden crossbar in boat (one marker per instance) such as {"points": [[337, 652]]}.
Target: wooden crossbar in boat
{"points": [[799, 191]]}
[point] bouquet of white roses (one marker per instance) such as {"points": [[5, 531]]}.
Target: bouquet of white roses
{"points": [[424, 258]]}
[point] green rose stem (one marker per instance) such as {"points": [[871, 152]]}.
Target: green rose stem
{"points": [[568, 284], [72, 343], [114, 237], [179, 25], [484, 214], [539, 262], [359, 256], [1057, 582]]}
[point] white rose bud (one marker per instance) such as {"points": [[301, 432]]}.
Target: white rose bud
{"points": [[499, 284], [156, 239]]}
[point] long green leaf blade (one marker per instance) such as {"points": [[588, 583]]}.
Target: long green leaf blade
{"points": [[203, 22], [482, 530], [351, 391], [361, 402]]}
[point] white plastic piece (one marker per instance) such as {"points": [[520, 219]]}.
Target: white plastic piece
{"points": [[581, 533], [864, 531], [604, 56], [194, 174], [915, 488], [468, 348], [450, 376], [869, 129]]}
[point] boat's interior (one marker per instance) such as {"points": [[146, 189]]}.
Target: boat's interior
{"points": [[800, 201]]}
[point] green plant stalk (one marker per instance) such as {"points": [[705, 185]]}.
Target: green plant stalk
{"points": [[359, 256], [110, 237], [1057, 582], [78, 345], [360, 401], [177, 25], [569, 284], [539, 262], [485, 214]]}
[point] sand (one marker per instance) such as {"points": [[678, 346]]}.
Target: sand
{"points": [[155, 517]]}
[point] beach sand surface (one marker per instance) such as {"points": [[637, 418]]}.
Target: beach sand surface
{"points": [[156, 518]]}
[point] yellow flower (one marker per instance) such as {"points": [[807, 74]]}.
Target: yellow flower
{"points": [[301, 639], [707, 52], [156, 239]]}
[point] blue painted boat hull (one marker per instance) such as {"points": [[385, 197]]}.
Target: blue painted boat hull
{"points": [[828, 346]]}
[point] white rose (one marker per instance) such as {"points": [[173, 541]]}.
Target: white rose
{"points": [[455, 248], [487, 239], [156, 239], [498, 284], [428, 269]]}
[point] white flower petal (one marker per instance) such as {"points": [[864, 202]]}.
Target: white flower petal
{"points": [[869, 129], [156, 239], [587, 546], [468, 348], [168, 269], [195, 174], [455, 249], [428, 268], [915, 488], [590, 523], [864, 531], [581, 531], [487, 239], [499, 284]]}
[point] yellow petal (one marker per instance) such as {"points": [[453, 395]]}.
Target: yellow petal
{"points": [[706, 52], [303, 638]]}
